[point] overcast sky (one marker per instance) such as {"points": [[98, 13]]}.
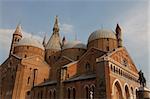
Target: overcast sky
{"points": [[79, 18]]}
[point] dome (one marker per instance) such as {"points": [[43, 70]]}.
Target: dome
{"points": [[30, 42], [74, 44], [102, 33]]}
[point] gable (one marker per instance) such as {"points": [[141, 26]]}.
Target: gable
{"points": [[34, 61], [63, 61], [10, 63], [121, 56], [89, 60], [93, 51]]}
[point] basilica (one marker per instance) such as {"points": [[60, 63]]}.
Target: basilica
{"points": [[61, 69]]}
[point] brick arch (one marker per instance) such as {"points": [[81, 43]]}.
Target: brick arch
{"points": [[92, 85], [92, 90], [74, 92], [86, 86], [86, 91], [50, 92], [132, 89], [132, 92], [69, 92], [126, 84], [135, 89], [127, 91], [54, 93], [119, 87]]}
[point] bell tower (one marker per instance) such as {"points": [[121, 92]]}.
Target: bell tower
{"points": [[119, 35], [17, 35]]}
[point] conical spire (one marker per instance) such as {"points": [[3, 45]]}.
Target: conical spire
{"points": [[118, 29], [54, 41], [17, 35], [56, 27], [119, 35], [18, 30]]}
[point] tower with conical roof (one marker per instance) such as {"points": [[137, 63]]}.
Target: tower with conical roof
{"points": [[119, 35], [54, 41], [54, 44], [17, 35]]}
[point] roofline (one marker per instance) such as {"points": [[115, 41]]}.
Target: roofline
{"points": [[88, 50]]}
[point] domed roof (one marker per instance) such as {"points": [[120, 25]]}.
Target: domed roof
{"points": [[30, 42], [74, 44], [102, 33]]}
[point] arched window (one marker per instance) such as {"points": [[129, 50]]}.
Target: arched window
{"points": [[136, 93], [132, 91], [114, 68], [28, 93], [74, 93], [93, 90], [87, 92], [28, 80], [117, 91], [127, 94], [50, 94], [25, 56], [107, 48], [119, 71], [38, 96], [69, 92], [12, 77], [77, 57], [54, 94], [111, 67], [87, 66], [41, 94], [15, 39]]}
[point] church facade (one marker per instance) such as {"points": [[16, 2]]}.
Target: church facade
{"points": [[60, 69]]}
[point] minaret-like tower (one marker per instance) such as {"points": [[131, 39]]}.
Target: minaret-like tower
{"points": [[119, 35], [17, 35], [54, 43]]}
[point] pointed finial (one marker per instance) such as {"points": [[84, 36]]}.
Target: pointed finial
{"points": [[56, 27], [64, 39], [119, 35], [118, 29], [18, 30], [44, 40], [18, 27], [63, 42]]}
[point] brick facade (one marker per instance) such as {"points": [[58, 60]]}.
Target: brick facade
{"points": [[104, 70]]}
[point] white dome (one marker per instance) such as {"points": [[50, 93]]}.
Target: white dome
{"points": [[74, 44], [30, 42], [102, 33]]}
